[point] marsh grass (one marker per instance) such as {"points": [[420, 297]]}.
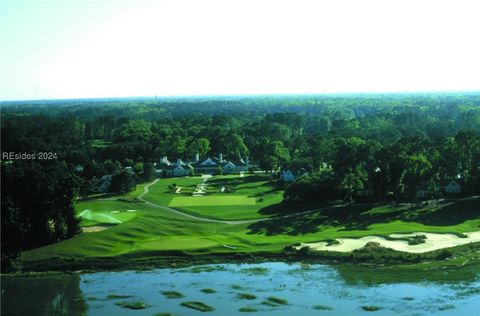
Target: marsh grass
{"points": [[246, 296], [116, 296], [199, 306], [208, 291], [322, 308], [132, 305], [172, 294], [371, 308], [408, 298], [255, 271], [204, 269], [275, 301], [446, 307]]}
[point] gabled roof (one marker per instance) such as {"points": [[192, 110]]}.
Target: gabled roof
{"points": [[295, 171]]}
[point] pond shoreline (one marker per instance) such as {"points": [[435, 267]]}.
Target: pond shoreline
{"points": [[458, 256]]}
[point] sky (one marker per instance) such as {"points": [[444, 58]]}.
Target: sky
{"points": [[104, 48]]}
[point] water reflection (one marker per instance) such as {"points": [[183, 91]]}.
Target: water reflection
{"points": [[306, 289], [50, 295]]}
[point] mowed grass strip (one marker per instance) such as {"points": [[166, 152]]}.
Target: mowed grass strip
{"points": [[212, 200]]}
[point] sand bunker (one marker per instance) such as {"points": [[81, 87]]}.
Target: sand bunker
{"points": [[433, 242]]}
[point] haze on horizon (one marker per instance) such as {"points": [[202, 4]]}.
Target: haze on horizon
{"points": [[94, 49]]}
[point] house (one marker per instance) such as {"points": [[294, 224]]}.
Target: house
{"points": [[203, 165], [79, 168], [291, 174], [452, 187], [177, 169], [207, 165]]}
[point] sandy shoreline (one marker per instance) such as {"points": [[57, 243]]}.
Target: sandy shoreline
{"points": [[434, 241]]}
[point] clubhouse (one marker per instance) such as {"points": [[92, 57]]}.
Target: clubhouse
{"points": [[203, 165]]}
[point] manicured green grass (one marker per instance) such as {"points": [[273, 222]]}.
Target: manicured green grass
{"points": [[148, 231], [105, 212], [229, 200], [250, 194]]}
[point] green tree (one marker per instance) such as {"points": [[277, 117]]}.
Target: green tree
{"points": [[122, 183], [148, 171], [199, 146]]}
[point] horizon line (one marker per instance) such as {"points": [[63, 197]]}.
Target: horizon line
{"points": [[287, 94]]}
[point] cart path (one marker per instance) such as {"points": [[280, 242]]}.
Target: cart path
{"points": [[146, 189]]}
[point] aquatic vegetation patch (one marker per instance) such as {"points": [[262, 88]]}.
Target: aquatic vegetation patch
{"points": [[204, 269], [164, 314], [275, 301], [237, 287], [246, 296], [371, 308], [255, 271], [469, 292], [247, 309], [172, 294], [408, 298], [199, 306], [208, 291], [322, 308], [132, 305], [116, 296], [446, 307]]}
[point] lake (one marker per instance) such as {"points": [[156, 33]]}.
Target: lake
{"points": [[257, 289]]}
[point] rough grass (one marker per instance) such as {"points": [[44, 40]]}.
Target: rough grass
{"points": [[199, 306]]}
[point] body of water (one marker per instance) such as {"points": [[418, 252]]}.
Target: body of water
{"points": [[258, 289]]}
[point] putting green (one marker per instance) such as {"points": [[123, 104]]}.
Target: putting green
{"points": [[94, 217], [212, 200]]}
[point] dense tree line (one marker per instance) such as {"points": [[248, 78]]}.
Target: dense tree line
{"points": [[351, 145]]}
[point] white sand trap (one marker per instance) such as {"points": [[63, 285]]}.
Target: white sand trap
{"points": [[131, 211], [433, 242], [113, 211]]}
